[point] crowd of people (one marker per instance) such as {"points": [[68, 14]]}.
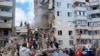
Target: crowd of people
{"points": [[30, 47], [37, 43], [83, 51]]}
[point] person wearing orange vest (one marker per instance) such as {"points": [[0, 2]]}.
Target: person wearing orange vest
{"points": [[78, 52]]}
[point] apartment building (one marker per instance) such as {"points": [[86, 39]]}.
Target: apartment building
{"points": [[93, 11], [73, 21], [6, 19], [77, 22]]}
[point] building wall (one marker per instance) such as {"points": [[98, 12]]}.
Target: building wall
{"points": [[71, 16], [64, 21], [7, 9]]}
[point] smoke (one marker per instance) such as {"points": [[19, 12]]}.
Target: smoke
{"points": [[41, 16]]}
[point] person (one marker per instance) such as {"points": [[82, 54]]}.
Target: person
{"points": [[71, 52], [40, 44], [36, 36], [13, 48], [34, 53], [84, 51], [66, 51], [77, 52], [0, 53], [55, 53], [98, 51], [30, 44], [18, 48], [48, 51], [44, 53], [56, 45], [48, 43], [93, 51], [24, 51], [51, 44], [35, 45]]}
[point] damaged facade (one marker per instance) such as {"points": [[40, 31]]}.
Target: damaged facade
{"points": [[72, 21]]}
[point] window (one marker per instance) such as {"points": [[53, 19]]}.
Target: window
{"points": [[87, 0], [58, 4], [71, 42], [5, 32], [70, 32], [83, 31], [60, 42], [82, 4], [5, 9], [82, 22], [68, 5], [58, 13], [88, 8], [83, 13], [79, 12], [5, 21], [59, 32], [90, 32], [69, 14]]}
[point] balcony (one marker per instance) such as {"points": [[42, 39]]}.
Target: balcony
{"points": [[6, 3], [80, 8], [93, 28], [95, 11], [78, 17], [5, 25], [79, 0], [6, 14], [82, 27], [84, 36], [92, 3]]}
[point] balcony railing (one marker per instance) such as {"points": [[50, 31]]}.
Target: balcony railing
{"points": [[6, 3], [5, 25], [80, 8], [92, 3], [79, 0], [5, 14], [95, 11]]}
